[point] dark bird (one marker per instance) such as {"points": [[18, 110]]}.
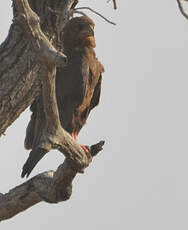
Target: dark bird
{"points": [[78, 87]]}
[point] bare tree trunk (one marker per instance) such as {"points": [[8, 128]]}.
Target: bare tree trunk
{"points": [[19, 65], [28, 60]]}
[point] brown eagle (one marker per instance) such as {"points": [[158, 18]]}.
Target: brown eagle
{"points": [[78, 87]]}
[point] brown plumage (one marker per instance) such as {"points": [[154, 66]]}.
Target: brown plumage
{"points": [[78, 87]]}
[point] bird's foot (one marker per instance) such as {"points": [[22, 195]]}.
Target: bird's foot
{"points": [[87, 151], [84, 147]]}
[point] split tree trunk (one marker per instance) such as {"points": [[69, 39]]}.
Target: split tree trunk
{"points": [[28, 60]]}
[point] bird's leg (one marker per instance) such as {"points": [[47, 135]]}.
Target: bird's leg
{"points": [[84, 147], [75, 136]]}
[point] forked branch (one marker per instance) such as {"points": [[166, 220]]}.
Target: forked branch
{"points": [[50, 186], [54, 136]]}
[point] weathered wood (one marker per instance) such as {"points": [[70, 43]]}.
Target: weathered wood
{"points": [[44, 187], [19, 65], [54, 136], [28, 60], [51, 187]]}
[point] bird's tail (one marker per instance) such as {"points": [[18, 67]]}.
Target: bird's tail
{"points": [[34, 157]]}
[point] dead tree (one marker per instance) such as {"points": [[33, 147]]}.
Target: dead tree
{"points": [[28, 60]]}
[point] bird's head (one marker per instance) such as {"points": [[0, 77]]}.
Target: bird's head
{"points": [[78, 33]]}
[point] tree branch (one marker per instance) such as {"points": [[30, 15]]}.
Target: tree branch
{"points": [[180, 5], [51, 187], [76, 10], [43, 187], [115, 4], [31, 23], [54, 136]]}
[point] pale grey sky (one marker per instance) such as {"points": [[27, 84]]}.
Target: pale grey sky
{"points": [[140, 180]]}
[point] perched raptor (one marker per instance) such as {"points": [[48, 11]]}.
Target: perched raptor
{"points": [[78, 87]]}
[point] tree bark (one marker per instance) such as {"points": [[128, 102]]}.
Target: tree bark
{"points": [[28, 60], [20, 68], [44, 187]]}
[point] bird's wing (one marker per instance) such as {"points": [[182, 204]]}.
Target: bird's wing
{"points": [[36, 125], [31, 127], [96, 70], [96, 94], [71, 87], [34, 133]]}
